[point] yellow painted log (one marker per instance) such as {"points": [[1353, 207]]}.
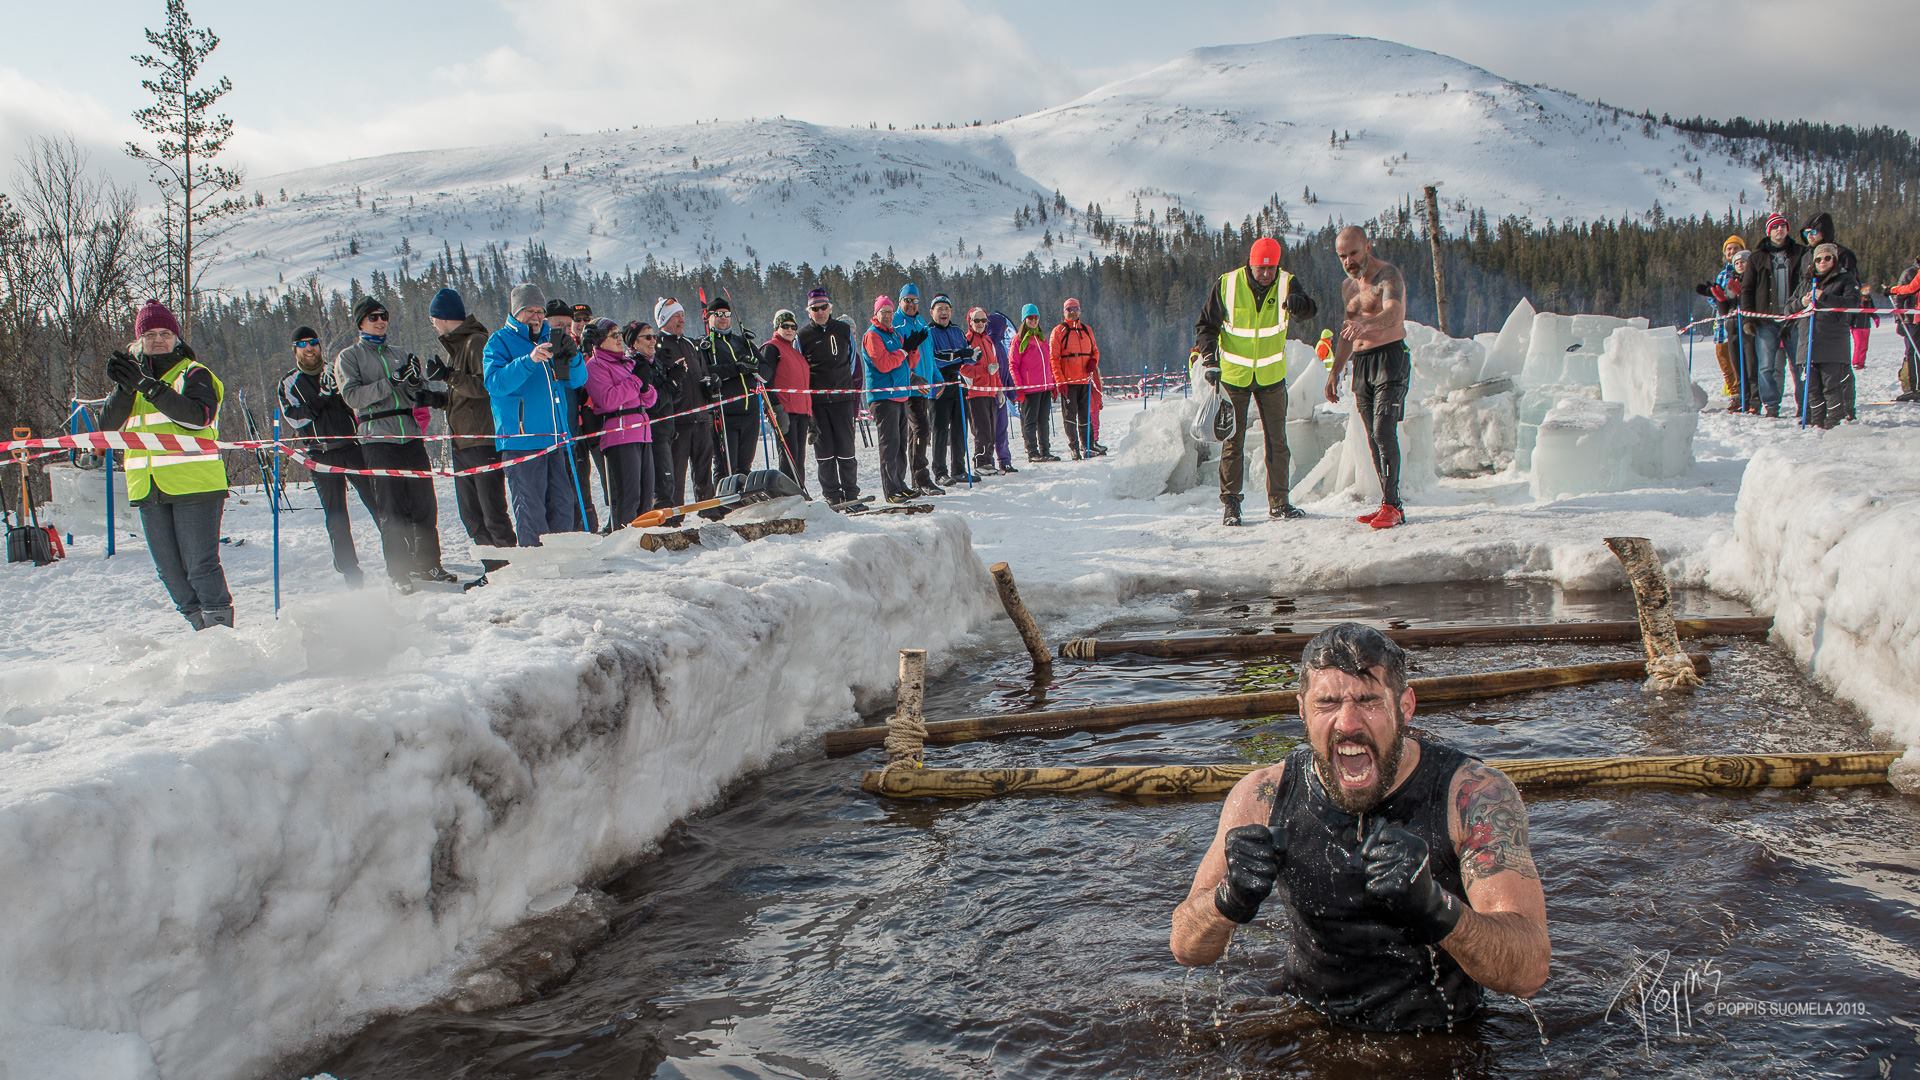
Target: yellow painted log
{"points": [[1700, 771]]}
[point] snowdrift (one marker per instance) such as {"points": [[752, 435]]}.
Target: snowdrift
{"points": [[233, 844]]}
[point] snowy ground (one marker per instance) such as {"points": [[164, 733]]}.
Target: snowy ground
{"points": [[222, 846]]}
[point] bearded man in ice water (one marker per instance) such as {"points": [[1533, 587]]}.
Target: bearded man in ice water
{"points": [[1374, 337], [1401, 863]]}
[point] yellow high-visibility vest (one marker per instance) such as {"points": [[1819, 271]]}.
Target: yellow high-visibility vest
{"points": [[176, 474], [1253, 336]]}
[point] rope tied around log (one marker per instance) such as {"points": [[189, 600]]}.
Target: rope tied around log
{"points": [[1667, 666], [906, 739]]}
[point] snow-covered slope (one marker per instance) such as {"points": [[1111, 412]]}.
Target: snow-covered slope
{"points": [[1218, 131]]}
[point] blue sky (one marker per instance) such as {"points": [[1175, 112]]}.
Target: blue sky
{"points": [[316, 82]]}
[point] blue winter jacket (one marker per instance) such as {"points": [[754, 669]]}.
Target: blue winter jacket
{"points": [[923, 365], [531, 409], [878, 349], [949, 339]]}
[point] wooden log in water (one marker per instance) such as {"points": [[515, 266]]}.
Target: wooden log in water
{"points": [[1699, 771], [1667, 667], [1439, 690], [1175, 648], [1022, 618]]}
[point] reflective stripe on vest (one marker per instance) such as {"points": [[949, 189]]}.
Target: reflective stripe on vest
{"points": [[1253, 337], [176, 473]]}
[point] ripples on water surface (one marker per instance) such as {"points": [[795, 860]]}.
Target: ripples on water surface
{"points": [[804, 929]]}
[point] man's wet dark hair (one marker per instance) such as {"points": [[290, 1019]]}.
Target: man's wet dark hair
{"points": [[1356, 649]]}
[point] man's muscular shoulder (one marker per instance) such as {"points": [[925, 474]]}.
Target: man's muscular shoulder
{"points": [[1489, 824], [1252, 799]]}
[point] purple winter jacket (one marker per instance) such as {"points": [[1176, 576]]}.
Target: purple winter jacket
{"points": [[613, 388]]}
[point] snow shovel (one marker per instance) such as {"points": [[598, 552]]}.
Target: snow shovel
{"points": [[761, 485]]}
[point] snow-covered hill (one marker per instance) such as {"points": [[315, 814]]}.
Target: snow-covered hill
{"points": [[1217, 131]]}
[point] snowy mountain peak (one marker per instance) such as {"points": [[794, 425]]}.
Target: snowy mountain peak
{"points": [[1337, 127]]}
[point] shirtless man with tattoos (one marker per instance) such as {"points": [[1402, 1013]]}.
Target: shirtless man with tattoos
{"points": [[1402, 863], [1375, 339]]}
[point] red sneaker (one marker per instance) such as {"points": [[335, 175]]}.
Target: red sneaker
{"points": [[1387, 518], [1367, 519]]}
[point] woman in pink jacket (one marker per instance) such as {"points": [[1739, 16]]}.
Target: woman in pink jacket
{"points": [[1033, 372], [617, 392]]}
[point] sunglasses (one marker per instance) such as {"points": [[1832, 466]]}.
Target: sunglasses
{"points": [[306, 342], [976, 322], [378, 316], [821, 307], [787, 326], [1823, 258], [646, 337]]}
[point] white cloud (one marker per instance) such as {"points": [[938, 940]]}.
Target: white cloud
{"points": [[30, 109]]}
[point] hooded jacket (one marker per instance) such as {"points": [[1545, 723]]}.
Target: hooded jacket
{"points": [[1823, 221], [469, 409], [531, 406], [1833, 334]]}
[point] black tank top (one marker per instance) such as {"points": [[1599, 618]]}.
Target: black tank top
{"points": [[1344, 961]]}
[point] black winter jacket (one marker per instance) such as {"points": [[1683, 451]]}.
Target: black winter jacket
{"points": [[733, 360], [1757, 293], [830, 360], [1833, 334]]}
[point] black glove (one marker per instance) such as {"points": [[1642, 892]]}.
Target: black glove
{"points": [[912, 341], [1253, 865], [437, 369], [432, 399], [1400, 880], [124, 370], [711, 384], [1210, 371], [1704, 290], [1298, 304]]}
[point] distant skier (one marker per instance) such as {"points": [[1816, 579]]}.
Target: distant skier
{"points": [[1240, 341], [1374, 337]]}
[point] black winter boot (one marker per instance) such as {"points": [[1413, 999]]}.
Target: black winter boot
{"points": [[1230, 511]]}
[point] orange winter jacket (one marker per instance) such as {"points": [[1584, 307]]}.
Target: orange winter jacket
{"points": [[1076, 355]]}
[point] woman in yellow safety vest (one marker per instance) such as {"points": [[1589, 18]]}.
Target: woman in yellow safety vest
{"points": [[160, 388]]}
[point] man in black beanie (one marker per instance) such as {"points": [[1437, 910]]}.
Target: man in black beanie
{"points": [[324, 430]]}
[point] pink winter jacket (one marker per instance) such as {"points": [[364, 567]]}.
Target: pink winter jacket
{"points": [[612, 387], [1031, 366]]}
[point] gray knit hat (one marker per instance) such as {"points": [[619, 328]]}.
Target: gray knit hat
{"points": [[525, 295]]}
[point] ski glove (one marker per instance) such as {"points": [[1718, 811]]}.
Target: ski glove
{"points": [[912, 341], [1299, 304], [124, 371], [1400, 881], [1210, 371], [711, 384], [1253, 865]]}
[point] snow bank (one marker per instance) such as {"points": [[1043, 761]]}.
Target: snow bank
{"points": [[1822, 540], [222, 846]]}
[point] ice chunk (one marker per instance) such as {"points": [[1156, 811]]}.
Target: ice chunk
{"points": [[1507, 354], [1475, 429], [1565, 349], [1579, 449]]}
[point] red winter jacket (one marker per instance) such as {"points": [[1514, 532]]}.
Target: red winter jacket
{"points": [[789, 372], [984, 371], [1076, 355]]}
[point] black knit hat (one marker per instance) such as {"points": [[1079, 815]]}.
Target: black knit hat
{"points": [[305, 333], [720, 303], [367, 306], [560, 308]]}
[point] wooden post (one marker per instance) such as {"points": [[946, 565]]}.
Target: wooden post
{"points": [[907, 728], [1702, 772], [1408, 637], [1431, 692], [1022, 618], [1667, 666], [1439, 261]]}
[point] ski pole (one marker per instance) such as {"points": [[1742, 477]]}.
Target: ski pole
{"points": [[1806, 366], [276, 512]]}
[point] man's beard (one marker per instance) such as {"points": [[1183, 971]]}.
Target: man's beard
{"points": [[1384, 764]]}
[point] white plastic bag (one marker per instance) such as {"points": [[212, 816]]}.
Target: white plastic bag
{"points": [[1215, 421]]}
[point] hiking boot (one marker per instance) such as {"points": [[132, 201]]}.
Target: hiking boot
{"points": [[945, 480], [1285, 513], [930, 488], [900, 497], [1230, 513], [1388, 517], [1733, 405], [1772, 412], [1008, 469], [436, 573]]}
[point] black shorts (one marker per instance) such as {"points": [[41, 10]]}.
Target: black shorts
{"points": [[1380, 378]]}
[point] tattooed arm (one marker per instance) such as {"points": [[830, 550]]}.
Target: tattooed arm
{"points": [[1200, 932], [1501, 940]]}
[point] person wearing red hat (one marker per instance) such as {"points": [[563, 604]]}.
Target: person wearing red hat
{"points": [[1240, 342], [161, 388], [1772, 282], [1075, 355], [1374, 337]]}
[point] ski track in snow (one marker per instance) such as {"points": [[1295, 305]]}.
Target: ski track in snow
{"points": [[222, 847]]}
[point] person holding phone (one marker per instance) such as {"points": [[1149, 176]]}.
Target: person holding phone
{"points": [[528, 380]]}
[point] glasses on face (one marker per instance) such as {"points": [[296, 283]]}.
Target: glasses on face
{"points": [[378, 316], [1818, 259], [976, 322], [645, 337], [306, 343], [788, 326], [821, 307]]}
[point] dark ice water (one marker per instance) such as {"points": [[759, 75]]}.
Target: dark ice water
{"points": [[804, 929]]}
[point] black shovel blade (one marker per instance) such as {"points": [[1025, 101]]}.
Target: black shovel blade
{"points": [[761, 485]]}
